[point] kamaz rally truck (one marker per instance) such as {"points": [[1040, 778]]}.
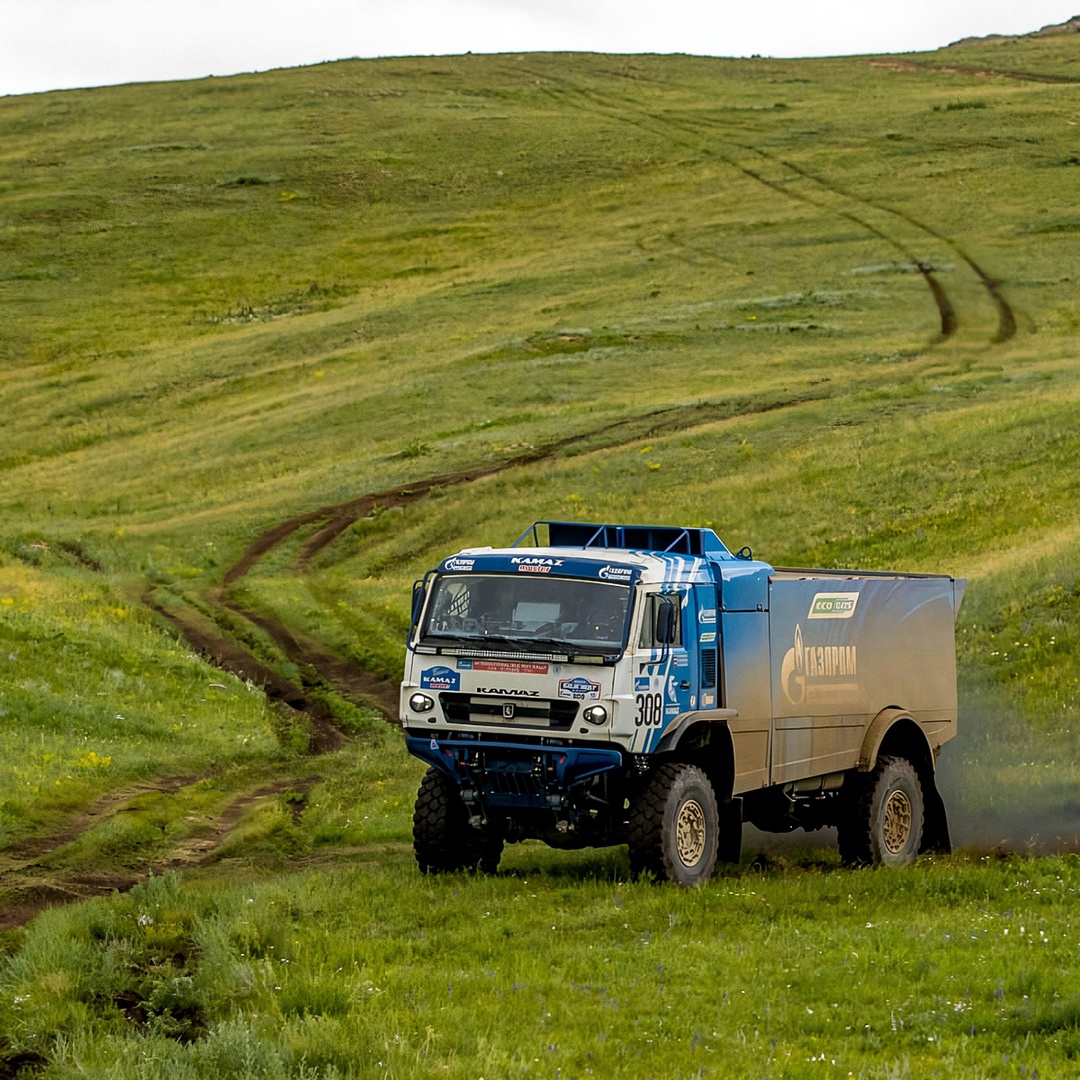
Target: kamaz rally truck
{"points": [[611, 684]]}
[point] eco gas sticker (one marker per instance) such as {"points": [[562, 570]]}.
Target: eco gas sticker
{"points": [[440, 678], [579, 689], [833, 605]]}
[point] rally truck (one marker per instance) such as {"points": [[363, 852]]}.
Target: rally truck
{"points": [[613, 684]]}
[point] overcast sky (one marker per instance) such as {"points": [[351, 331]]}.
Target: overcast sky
{"points": [[53, 44]]}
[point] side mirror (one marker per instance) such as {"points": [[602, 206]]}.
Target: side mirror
{"points": [[418, 593], [666, 614]]}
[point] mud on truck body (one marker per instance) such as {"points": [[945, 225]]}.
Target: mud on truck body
{"points": [[611, 684]]}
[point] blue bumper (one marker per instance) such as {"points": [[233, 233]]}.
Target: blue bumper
{"points": [[515, 774]]}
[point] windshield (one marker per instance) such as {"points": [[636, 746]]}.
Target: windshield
{"points": [[532, 614]]}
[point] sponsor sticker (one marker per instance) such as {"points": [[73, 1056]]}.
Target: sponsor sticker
{"points": [[579, 689], [464, 664], [456, 563], [514, 667], [615, 573], [706, 615], [707, 700], [706, 638], [535, 564], [642, 684], [671, 710], [833, 605], [680, 661], [440, 678]]}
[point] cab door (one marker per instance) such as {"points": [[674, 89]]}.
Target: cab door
{"points": [[665, 675]]}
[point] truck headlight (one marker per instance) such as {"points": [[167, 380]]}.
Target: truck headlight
{"points": [[595, 714], [421, 703]]}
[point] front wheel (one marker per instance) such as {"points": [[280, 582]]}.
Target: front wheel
{"points": [[884, 825], [675, 826], [443, 839]]}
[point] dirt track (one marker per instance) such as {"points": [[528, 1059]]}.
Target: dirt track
{"points": [[28, 885]]}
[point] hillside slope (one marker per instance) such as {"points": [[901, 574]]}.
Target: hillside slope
{"points": [[274, 343]]}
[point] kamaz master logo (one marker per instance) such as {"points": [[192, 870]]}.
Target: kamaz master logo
{"points": [[833, 605], [535, 565]]}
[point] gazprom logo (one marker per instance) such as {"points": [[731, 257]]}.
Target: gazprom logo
{"points": [[833, 605]]}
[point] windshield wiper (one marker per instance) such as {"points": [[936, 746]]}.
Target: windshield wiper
{"points": [[477, 641]]}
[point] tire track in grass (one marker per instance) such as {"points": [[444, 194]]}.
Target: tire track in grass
{"points": [[199, 849], [949, 321], [229, 655], [1005, 313], [30, 887], [349, 676], [25, 852], [946, 311]]}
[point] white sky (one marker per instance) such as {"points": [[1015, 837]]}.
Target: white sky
{"points": [[53, 44]]}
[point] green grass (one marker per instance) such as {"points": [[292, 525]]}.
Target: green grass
{"points": [[561, 966], [94, 697], [233, 301]]}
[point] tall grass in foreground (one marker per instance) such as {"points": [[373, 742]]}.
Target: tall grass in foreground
{"points": [[561, 968]]}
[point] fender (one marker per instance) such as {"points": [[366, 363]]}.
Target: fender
{"points": [[678, 727], [878, 729]]}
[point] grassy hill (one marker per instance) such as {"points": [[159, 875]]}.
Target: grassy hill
{"points": [[273, 344]]}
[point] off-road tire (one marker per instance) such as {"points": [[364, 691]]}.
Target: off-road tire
{"points": [[674, 826], [443, 839], [884, 818]]}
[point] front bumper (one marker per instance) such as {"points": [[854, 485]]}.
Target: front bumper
{"points": [[515, 775]]}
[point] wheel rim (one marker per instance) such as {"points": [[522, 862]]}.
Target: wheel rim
{"points": [[896, 824], [690, 833]]}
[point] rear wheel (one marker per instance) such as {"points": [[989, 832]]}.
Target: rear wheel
{"points": [[443, 839], [884, 825], [675, 826]]}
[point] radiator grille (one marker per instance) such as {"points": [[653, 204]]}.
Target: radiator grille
{"points": [[511, 712]]}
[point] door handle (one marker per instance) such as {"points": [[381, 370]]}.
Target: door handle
{"points": [[684, 685]]}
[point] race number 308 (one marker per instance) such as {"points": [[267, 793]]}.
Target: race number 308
{"points": [[650, 710]]}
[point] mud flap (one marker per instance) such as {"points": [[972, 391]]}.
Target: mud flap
{"points": [[729, 848], [936, 823]]}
